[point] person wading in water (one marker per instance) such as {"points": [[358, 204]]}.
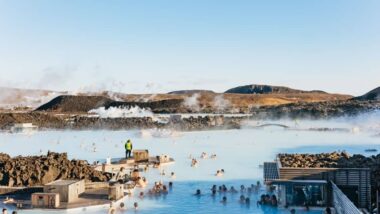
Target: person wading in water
{"points": [[128, 149]]}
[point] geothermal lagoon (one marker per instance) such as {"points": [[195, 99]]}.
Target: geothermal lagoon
{"points": [[240, 152]]}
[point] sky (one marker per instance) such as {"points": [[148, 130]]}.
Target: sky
{"points": [[152, 46]]}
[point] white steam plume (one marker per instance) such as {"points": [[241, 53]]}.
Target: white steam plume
{"points": [[220, 103], [192, 102], [117, 112]]}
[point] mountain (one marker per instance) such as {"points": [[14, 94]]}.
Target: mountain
{"points": [[372, 95], [267, 89], [74, 103], [193, 101], [195, 91], [85, 103]]}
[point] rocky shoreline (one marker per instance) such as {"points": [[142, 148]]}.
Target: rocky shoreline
{"points": [[316, 110], [39, 170], [322, 160], [83, 122], [74, 120]]}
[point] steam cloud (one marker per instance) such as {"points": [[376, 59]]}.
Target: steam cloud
{"points": [[192, 102], [115, 112], [220, 103]]}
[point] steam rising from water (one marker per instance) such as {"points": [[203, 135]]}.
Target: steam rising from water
{"points": [[116, 112], [366, 122], [159, 133]]}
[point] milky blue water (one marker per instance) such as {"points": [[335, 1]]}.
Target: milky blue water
{"points": [[239, 152]]}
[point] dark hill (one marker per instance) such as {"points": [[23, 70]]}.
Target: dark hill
{"points": [[372, 95], [72, 103], [79, 103], [266, 89], [191, 91]]}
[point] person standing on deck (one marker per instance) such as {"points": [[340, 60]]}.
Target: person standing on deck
{"points": [[128, 149]]}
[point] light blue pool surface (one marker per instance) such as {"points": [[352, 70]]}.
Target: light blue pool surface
{"points": [[239, 152]]}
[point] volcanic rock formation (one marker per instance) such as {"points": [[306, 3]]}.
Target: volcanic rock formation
{"points": [[38, 170]]}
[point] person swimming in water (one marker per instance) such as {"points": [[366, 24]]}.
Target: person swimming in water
{"points": [[204, 155], [224, 188], [141, 196], [224, 200], [242, 199], [249, 190], [163, 173], [198, 192], [247, 201], [136, 205], [164, 189], [111, 210], [258, 186], [157, 165], [233, 190], [274, 201], [262, 200], [194, 162], [242, 188], [140, 182], [172, 175]]}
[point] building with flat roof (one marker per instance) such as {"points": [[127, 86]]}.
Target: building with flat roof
{"points": [[318, 186], [68, 190]]}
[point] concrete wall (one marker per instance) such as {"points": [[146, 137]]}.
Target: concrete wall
{"points": [[45, 200], [75, 190], [67, 193], [96, 185], [116, 192], [61, 190]]}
